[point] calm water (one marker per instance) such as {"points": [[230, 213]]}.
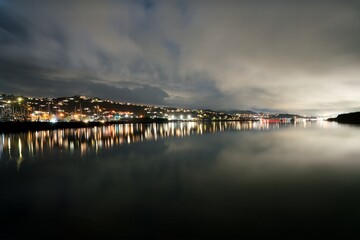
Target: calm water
{"points": [[181, 181]]}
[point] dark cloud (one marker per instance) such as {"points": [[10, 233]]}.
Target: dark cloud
{"points": [[11, 30], [24, 78], [70, 87], [282, 54], [148, 4]]}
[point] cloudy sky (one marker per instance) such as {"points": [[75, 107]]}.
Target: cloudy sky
{"points": [[280, 55]]}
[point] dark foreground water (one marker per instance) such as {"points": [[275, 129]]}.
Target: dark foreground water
{"points": [[181, 181]]}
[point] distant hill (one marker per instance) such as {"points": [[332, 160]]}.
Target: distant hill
{"points": [[238, 111], [353, 117], [285, 115]]}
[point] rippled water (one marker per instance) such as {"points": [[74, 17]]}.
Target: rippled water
{"points": [[181, 181]]}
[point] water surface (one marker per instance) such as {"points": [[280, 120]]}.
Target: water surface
{"points": [[181, 181]]}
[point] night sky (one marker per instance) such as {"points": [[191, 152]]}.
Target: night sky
{"points": [[291, 56]]}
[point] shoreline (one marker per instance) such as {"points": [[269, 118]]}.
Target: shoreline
{"points": [[17, 127], [347, 118]]}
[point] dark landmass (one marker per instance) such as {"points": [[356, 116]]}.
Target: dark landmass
{"points": [[286, 115], [353, 118], [15, 127], [238, 111]]}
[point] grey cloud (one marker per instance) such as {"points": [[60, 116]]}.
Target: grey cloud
{"points": [[288, 55], [285, 48]]}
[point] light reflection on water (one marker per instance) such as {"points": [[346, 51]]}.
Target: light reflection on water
{"points": [[81, 141], [182, 181]]}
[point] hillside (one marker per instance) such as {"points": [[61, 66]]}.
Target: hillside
{"points": [[353, 118]]}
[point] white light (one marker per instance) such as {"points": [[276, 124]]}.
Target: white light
{"points": [[53, 120]]}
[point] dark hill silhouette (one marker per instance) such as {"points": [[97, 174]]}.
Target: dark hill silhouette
{"points": [[237, 111], [353, 117]]}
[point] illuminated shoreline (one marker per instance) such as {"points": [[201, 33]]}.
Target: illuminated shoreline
{"points": [[17, 127]]}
